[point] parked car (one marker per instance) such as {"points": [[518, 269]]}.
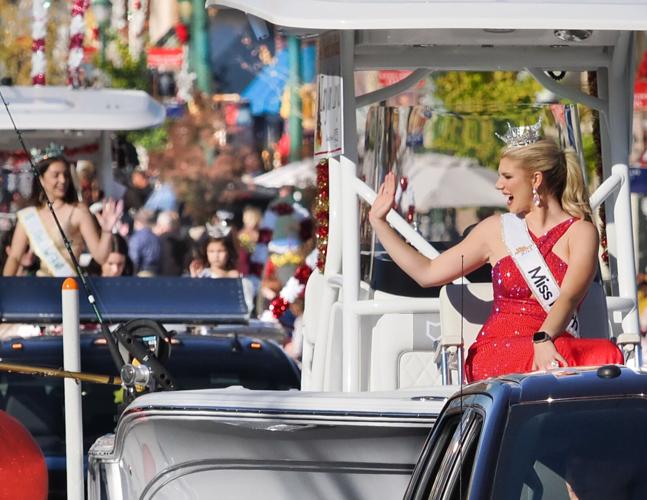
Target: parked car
{"points": [[566, 434]]}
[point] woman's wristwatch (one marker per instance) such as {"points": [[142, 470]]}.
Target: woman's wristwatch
{"points": [[540, 337]]}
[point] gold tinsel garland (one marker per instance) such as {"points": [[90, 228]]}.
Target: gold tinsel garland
{"points": [[321, 210]]}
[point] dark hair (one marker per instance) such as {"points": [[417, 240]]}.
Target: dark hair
{"points": [[37, 193], [230, 246], [117, 245]]}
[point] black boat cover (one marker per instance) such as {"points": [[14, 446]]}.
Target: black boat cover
{"points": [[166, 299]]}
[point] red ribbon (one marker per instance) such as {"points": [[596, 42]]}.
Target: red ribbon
{"points": [[76, 41], [278, 306], [38, 79], [38, 44]]}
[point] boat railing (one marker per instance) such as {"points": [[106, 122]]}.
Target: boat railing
{"points": [[622, 307]]}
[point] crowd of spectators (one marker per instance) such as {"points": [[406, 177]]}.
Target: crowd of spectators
{"points": [[183, 217]]}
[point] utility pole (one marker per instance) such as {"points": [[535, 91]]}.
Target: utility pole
{"points": [[294, 121], [199, 46]]}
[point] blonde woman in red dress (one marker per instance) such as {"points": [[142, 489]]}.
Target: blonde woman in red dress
{"points": [[545, 189]]}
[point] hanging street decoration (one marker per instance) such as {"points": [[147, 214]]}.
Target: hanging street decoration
{"points": [[38, 33], [77, 32], [137, 12]]}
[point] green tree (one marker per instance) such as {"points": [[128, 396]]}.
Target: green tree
{"points": [[125, 72], [475, 105]]}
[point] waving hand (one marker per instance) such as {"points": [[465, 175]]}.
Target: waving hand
{"points": [[385, 198]]}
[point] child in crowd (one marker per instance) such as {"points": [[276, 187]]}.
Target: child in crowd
{"points": [[219, 253], [118, 262]]}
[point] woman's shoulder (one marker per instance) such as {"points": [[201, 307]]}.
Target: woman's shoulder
{"points": [[488, 225], [78, 211], [582, 228]]}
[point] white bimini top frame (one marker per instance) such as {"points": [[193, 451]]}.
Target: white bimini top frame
{"points": [[474, 36]]}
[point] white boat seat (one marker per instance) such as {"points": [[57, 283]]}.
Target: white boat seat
{"points": [[404, 349]]}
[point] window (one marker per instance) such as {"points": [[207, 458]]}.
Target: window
{"points": [[449, 463], [590, 449]]}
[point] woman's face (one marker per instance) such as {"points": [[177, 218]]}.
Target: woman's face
{"points": [[515, 184], [217, 254], [114, 265], [55, 180]]}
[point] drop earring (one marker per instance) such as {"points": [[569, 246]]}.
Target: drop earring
{"points": [[535, 197]]}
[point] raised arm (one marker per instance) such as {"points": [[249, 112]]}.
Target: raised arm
{"points": [[19, 246], [468, 255], [582, 262], [98, 239]]}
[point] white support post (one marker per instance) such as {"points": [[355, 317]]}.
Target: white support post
{"points": [[625, 253], [332, 268], [350, 219], [334, 252], [73, 414], [350, 278], [619, 82]]}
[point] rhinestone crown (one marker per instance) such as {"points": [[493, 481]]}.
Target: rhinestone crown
{"points": [[51, 151], [521, 136]]}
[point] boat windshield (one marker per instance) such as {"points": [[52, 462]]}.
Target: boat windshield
{"points": [[591, 449]]}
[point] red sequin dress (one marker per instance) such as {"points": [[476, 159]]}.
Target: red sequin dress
{"points": [[504, 344]]}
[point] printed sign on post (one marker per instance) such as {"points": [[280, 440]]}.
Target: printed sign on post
{"points": [[329, 132]]}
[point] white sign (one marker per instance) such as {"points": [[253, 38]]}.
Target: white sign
{"points": [[329, 130]]}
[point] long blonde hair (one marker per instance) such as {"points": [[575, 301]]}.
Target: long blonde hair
{"points": [[562, 173]]}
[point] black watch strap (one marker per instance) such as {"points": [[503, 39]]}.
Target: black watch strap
{"points": [[539, 337]]}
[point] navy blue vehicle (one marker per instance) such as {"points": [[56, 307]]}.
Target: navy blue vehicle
{"points": [[563, 435], [224, 351]]}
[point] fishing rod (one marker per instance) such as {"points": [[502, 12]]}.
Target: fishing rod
{"points": [[136, 349], [52, 372], [110, 339]]}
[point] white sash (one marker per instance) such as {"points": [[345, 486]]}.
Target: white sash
{"points": [[42, 244], [532, 265]]}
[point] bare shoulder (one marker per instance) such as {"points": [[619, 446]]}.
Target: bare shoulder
{"points": [[80, 210], [488, 226], [582, 236], [584, 229]]}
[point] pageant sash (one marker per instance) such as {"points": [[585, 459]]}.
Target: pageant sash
{"points": [[42, 244], [532, 265]]}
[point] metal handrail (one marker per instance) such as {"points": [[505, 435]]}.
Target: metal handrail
{"points": [[606, 189]]}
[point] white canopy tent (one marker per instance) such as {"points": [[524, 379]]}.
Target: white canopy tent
{"points": [[300, 174], [75, 118], [442, 181]]}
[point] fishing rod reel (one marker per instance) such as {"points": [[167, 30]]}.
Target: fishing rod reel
{"points": [[148, 346]]}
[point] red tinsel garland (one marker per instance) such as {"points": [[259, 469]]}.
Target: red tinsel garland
{"points": [[321, 210], [293, 289]]}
